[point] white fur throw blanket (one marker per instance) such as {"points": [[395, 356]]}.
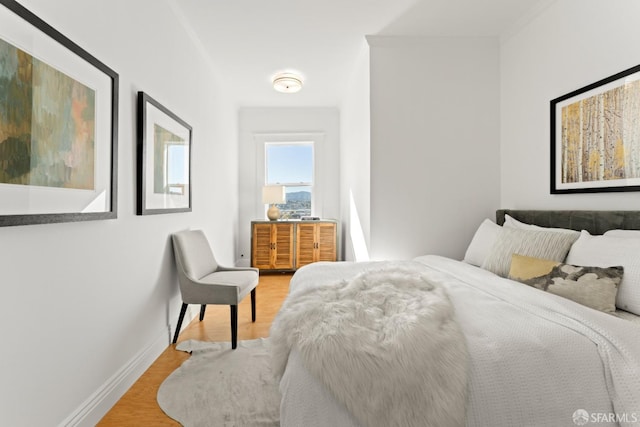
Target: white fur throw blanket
{"points": [[386, 345]]}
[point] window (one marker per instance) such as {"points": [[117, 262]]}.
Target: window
{"points": [[291, 164]]}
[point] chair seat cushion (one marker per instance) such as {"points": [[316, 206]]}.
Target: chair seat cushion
{"points": [[244, 280]]}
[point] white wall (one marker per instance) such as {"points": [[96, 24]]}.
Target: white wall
{"points": [[355, 161], [571, 44], [282, 121], [434, 143], [88, 306]]}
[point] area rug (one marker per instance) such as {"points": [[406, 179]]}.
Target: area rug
{"points": [[218, 386]]}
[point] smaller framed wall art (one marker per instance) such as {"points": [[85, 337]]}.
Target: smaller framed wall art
{"points": [[164, 159], [595, 136]]}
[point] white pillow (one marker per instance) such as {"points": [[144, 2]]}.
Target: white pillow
{"points": [[511, 222], [533, 243], [607, 251], [482, 241], [628, 234]]}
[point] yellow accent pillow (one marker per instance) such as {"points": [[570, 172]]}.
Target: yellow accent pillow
{"points": [[526, 267]]}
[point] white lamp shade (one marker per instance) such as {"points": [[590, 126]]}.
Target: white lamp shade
{"points": [[273, 194]]}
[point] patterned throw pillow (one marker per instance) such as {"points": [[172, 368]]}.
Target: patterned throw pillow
{"points": [[535, 243], [595, 287]]}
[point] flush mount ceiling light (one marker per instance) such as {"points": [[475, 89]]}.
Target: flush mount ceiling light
{"points": [[287, 82]]}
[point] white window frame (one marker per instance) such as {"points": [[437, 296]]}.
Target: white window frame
{"points": [[262, 139]]}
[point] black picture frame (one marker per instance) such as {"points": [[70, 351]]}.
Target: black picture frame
{"points": [[29, 195], [163, 155], [595, 139]]}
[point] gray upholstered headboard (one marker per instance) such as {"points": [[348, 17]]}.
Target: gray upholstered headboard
{"points": [[595, 222]]}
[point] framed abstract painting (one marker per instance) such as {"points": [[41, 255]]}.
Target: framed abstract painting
{"points": [[58, 125], [595, 136], [164, 159]]}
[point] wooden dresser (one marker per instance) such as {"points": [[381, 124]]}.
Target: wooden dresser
{"points": [[288, 245]]}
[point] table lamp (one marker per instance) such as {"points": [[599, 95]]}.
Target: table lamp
{"points": [[273, 194]]}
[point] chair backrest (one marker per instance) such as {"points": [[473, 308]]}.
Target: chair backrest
{"points": [[193, 254]]}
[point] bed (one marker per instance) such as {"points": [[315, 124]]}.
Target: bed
{"points": [[460, 344]]}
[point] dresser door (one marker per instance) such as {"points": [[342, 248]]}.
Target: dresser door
{"points": [[282, 237], [261, 246], [325, 241], [305, 244]]}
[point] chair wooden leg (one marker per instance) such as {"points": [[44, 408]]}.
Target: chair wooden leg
{"points": [[253, 305], [234, 326], [183, 310], [203, 307]]}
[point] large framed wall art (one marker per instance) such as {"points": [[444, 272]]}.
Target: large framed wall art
{"points": [[58, 125], [595, 136], [164, 159]]}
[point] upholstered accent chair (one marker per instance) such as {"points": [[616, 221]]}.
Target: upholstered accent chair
{"points": [[203, 281]]}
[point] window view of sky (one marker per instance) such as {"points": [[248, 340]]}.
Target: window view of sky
{"points": [[289, 163]]}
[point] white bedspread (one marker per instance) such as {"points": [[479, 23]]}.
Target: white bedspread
{"points": [[395, 333], [536, 359]]}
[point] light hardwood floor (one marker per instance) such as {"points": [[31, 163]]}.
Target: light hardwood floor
{"points": [[138, 406]]}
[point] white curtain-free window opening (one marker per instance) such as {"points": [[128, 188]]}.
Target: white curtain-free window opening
{"points": [[291, 164]]}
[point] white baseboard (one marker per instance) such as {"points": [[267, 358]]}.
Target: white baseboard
{"points": [[102, 400]]}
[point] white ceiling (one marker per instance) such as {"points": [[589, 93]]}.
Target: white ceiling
{"points": [[248, 41]]}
